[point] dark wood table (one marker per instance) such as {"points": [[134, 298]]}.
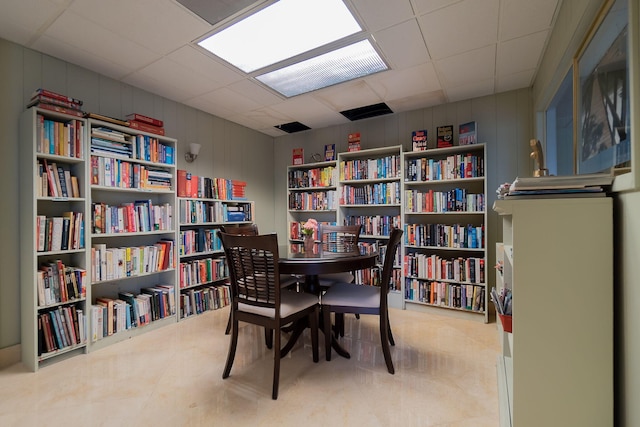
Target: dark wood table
{"points": [[311, 265]]}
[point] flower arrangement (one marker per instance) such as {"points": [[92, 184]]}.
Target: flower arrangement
{"points": [[309, 227]]}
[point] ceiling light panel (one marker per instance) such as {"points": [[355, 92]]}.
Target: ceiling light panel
{"points": [[341, 65], [280, 31]]}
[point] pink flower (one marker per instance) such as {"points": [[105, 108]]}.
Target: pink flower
{"points": [[309, 227]]}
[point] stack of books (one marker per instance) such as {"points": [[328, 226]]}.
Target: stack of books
{"points": [[588, 185], [49, 100], [145, 123]]}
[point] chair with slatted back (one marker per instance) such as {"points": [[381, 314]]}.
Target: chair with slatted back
{"points": [[258, 298], [343, 298], [338, 239]]}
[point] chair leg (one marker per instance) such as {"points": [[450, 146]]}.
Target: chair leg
{"points": [[232, 349], [276, 365], [228, 330], [313, 322], [384, 339], [339, 324], [326, 317], [268, 337], [390, 334]]}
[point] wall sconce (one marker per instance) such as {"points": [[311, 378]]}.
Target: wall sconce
{"points": [[191, 155]]}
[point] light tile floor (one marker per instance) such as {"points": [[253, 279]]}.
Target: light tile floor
{"points": [[445, 376]]}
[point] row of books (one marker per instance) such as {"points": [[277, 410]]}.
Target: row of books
{"points": [[309, 178], [374, 225], [313, 200], [458, 166], [202, 271], [373, 277], [208, 211], [194, 186], [197, 301], [55, 180], [434, 267], [113, 172], [467, 134], [115, 263], [59, 283], [62, 138], [454, 200], [113, 315], [454, 236], [60, 233], [131, 217], [61, 328], [461, 296], [386, 167], [193, 242], [383, 193]]}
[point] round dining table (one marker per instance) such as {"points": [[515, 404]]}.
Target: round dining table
{"points": [[310, 265]]}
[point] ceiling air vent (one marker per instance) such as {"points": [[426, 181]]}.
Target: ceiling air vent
{"points": [[367, 111], [292, 127]]}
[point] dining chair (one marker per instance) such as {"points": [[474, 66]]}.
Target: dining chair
{"points": [[338, 239], [252, 230], [344, 297], [258, 298]]}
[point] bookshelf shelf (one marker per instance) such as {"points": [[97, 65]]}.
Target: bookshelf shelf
{"points": [[444, 196], [557, 259]]}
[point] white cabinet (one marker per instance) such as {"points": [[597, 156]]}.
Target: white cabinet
{"points": [[557, 367]]}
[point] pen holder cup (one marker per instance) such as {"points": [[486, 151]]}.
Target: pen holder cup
{"points": [[506, 320]]}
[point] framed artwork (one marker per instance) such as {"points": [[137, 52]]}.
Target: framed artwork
{"points": [[601, 93]]}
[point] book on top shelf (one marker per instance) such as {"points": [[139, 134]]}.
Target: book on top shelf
{"points": [[468, 133], [329, 152], [445, 136], [353, 142], [146, 127], [106, 119], [145, 119], [298, 156], [52, 94], [419, 140]]}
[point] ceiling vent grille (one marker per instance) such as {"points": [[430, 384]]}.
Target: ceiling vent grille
{"points": [[292, 127], [367, 111]]}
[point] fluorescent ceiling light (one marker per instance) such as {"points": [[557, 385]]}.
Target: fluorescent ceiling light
{"points": [[348, 63], [282, 30]]}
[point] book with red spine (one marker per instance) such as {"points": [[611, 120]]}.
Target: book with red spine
{"points": [[59, 109], [145, 119], [52, 94], [146, 127]]}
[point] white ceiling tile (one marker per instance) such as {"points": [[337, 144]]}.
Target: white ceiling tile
{"points": [[416, 101], [519, 54], [460, 27], [256, 91], [426, 6], [26, 18], [249, 121], [407, 35], [345, 96], [515, 81], [196, 60], [470, 90], [161, 26], [211, 107], [153, 85], [271, 131], [231, 100], [83, 34], [402, 83], [378, 14], [75, 55], [309, 111], [268, 116], [471, 66], [522, 17]]}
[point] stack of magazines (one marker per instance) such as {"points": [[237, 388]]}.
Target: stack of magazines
{"points": [[589, 185]]}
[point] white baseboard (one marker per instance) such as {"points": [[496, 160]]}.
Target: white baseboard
{"points": [[10, 356]]}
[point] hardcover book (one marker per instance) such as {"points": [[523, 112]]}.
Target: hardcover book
{"points": [[329, 152], [353, 141], [419, 140], [467, 133], [298, 156], [445, 136]]}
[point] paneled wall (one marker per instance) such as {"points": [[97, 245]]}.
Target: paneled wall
{"points": [[228, 150]]}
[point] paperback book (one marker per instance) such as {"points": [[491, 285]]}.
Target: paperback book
{"points": [[445, 136], [329, 152], [467, 133], [353, 142], [298, 156], [419, 140]]}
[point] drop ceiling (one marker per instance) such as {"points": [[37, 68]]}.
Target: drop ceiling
{"points": [[439, 51]]}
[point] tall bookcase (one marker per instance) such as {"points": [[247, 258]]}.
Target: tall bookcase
{"points": [[556, 367], [131, 229], [445, 222], [311, 193], [53, 254], [370, 193], [203, 273]]}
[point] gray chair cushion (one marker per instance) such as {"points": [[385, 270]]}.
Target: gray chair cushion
{"points": [[290, 302], [349, 294]]}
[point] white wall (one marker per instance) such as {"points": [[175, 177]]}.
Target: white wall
{"points": [[228, 150]]}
